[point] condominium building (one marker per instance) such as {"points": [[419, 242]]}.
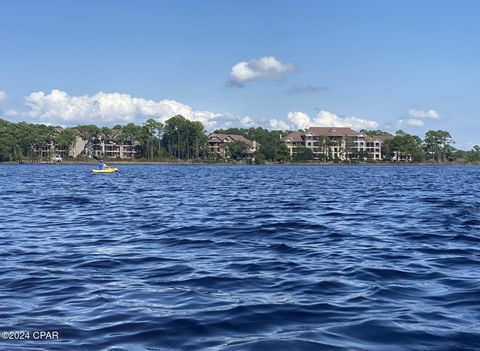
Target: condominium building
{"points": [[51, 148], [335, 143], [394, 155], [398, 156], [218, 143], [113, 145], [107, 146]]}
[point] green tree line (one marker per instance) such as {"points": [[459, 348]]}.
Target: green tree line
{"points": [[180, 138], [177, 138], [271, 148], [436, 146]]}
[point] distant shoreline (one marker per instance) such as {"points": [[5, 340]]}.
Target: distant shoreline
{"points": [[312, 164]]}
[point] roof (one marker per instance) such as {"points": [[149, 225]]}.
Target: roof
{"points": [[384, 138], [295, 136], [240, 138], [332, 131], [218, 136], [237, 137], [113, 134], [234, 137]]}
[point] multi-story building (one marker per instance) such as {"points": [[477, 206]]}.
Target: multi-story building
{"points": [[218, 143], [78, 147], [108, 146], [113, 146], [398, 156], [335, 143], [394, 155], [51, 149]]}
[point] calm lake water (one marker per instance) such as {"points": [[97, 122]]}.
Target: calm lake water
{"points": [[241, 258]]}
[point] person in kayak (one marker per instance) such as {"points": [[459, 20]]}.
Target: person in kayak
{"points": [[102, 165]]}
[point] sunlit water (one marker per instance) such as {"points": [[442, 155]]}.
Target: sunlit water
{"points": [[241, 258]]}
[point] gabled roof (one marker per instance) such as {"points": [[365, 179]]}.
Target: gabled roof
{"points": [[218, 136], [295, 136], [384, 138], [234, 137], [113, 134], [240, 138]]}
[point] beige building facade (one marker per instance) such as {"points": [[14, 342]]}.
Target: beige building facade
{"points": [[218, 143], [335, 143], [113, 146], [107, 146]]}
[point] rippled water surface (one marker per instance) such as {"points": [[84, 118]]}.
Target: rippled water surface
{"points": [[241, 258]]}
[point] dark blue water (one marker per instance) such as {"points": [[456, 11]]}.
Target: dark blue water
{"points": [[241, 258]]}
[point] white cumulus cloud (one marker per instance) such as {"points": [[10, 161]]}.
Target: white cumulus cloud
{"points": [[247, 121], [417, 118], [3, 96], [423, 114], [267, 67], [301, 120], [58, 107], [328, 119], [412, 122], [279, 124]]}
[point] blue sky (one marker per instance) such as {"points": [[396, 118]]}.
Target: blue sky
{"points": [[404, 64]]}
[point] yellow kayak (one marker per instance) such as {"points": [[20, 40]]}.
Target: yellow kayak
{"points": [[106, 170]]}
